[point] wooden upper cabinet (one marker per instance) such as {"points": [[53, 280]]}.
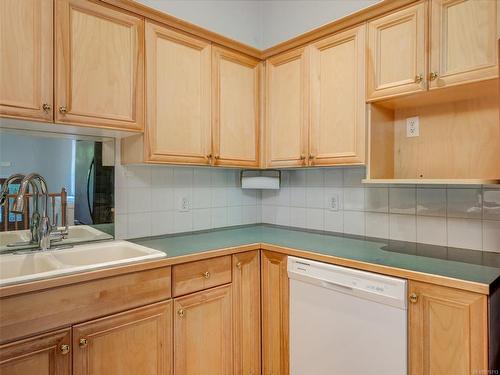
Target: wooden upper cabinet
{"points": [[26, 52], [178, 97], [397, 53], [47, 354], [235, 108], [287, 109], [203, 333], [275, 314], [134, 342], [448, 331], [337, 133], [246, 313], [99, 67], [463, 41]]}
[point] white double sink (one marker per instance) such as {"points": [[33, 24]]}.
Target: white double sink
{"points": [[76, 233], [19, 268]]}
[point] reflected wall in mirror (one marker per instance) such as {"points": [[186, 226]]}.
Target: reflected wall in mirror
{"points": [[79, 176]]}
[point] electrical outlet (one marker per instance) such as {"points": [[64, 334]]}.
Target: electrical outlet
{"points": [[334, 203], [412, 127], [185, 205]]}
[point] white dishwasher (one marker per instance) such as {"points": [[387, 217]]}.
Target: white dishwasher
{"points": [[345, 322]]}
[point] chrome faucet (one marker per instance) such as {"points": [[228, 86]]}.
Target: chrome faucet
{"points": [[46, 232], [35, 216]]}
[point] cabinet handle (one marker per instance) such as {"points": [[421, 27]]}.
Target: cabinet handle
{"points": [[433, 76], [180, 312], [63, 110], [216, 157], [238, 265], [206, 275], [83, 343], [419, 78], [64, 348], [413, 298], [302, 157], [311, 156], [46, 107]]}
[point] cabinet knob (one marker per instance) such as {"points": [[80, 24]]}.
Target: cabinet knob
{"points": [[64, 349], [216, 157], [180, 312], [419, 78], [413, 298], [209, 156], [46, 107], [83, 343], [238, 265], [302, 157], [433, 76], [312, 156], [63, 110], [206, 275]]}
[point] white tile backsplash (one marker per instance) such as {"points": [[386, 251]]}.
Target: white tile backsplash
{"points": [[148, 200], [464, 203], [402, 227], [408, 213], [466, 233]]}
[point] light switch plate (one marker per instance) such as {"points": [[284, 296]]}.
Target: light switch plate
{"points": [[412, 127]]}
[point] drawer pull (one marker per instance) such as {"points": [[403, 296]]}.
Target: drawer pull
{"points": [[64, 349], [83, 343], [238, 265], [206, 275], [180, 312]]}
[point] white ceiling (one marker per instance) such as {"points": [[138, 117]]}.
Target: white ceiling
{"points": [[259, 23]]}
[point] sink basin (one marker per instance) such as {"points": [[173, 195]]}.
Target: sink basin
{"points": [[12, 266], [106, 253], [13, 237], [76, 233], [18, 268]]}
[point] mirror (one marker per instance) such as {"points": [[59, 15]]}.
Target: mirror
{"points": [[79, 172]]}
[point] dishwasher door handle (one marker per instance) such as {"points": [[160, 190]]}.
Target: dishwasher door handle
{"points": [[327, 284]]}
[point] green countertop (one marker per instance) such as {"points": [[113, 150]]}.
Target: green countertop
{"points": [[467, 265]]}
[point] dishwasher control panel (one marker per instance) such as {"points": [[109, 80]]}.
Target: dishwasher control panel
{"points": [[348, 280]]}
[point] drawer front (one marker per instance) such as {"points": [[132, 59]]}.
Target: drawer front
{"points": [[194, 276], [27, 314]]}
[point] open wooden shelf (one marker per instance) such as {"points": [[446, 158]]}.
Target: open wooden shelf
{"points": [[459, 141], [430, 181]]}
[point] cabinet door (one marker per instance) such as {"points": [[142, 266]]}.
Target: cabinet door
{"points": [[134, 342], [338, 99], [448, 331], [275, 315], [178, 97], [246, 313], [235, 108], [48, 354], [397, 53], [99, 66], [287, 109], [26, 51], [463, 41], [203, 333]]}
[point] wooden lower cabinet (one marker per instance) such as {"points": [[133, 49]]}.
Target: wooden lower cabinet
{"points": [[275, 314], [134, 342], [203, 333], [246, 313], [448, 330], [47, 354]]}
